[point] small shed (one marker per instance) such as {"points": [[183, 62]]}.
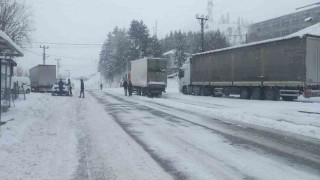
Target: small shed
{"points": [[8, 51]]}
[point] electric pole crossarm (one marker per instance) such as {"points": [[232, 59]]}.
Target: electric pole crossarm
{"points": [[44, 53], [202, 19]]}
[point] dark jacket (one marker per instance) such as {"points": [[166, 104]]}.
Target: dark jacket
{"points": [[60, 85], [125, 84], [82, 85], [130, 85]]}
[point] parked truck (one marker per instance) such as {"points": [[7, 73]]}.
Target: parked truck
{"points": [[42, 77], [272, 69], [148, 76]]}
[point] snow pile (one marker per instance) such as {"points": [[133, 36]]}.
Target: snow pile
{"points": [[312, 30], [9, 42]]}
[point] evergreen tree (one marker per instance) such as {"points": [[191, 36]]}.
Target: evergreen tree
{"points": [[180, 49], [139, 36], [215, 40], [154, 47]]}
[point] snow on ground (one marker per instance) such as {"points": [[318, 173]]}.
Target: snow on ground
{"points": [[53, 137], [300, 117], [37, 141], [193, 151], [47, 137]]}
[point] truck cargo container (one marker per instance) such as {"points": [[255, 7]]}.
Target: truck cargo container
{"points": [[42, 77], [283, 67], [148, 76]]}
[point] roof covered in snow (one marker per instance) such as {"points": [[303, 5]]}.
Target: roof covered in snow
{"points": [[8, 47], [312, 30], [172, 51]]}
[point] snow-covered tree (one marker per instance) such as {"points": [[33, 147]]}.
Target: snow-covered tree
{"points": [[139, 36], [154, 47], [16, 20], [180, 47]]}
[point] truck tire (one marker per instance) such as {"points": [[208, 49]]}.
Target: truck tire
{"points": [[245, 93], [184, 90], [257, 93], [270, 94]]}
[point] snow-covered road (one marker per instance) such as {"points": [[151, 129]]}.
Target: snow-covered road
{"points": [[109, 136]]}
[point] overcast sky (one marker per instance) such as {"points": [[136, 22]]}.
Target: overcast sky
{"points": [[89, 21]]}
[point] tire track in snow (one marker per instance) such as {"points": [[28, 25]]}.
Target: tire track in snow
{"points": [[164, 163], [301, 151], [167, 164], [89, 166]]}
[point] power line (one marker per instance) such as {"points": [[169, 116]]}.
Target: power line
{"points": [[58, 56], [66, 44]]}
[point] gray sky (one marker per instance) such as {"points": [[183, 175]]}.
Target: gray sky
{"points": [[89, 21]]}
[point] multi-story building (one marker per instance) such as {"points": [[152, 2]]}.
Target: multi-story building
{"points": [[284, 25]]}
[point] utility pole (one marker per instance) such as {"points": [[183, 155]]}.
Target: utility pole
{"points": [[58, 67], [202, 19], [44, 53], [155, 29]]}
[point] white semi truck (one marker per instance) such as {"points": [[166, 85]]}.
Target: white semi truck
{"points": [[280, 68]]}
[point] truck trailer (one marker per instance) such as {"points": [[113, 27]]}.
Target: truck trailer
{"points": [[279, 68], [42, 77], [148, 76]]}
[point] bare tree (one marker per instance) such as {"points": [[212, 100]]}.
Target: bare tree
{"points": [[16, 20]]}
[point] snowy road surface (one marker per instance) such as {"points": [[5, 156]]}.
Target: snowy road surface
{"points": [[109, 136]]}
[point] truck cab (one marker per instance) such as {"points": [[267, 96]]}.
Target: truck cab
{"points": [[184, 78]]}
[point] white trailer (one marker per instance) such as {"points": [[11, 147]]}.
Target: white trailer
{"points": [[42, 77], [148, 76]]}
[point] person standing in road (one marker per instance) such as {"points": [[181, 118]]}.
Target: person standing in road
{"points": [[81, 88], [101, 86], [125, 86], [60, 83], [69, 87], [130, 88]]}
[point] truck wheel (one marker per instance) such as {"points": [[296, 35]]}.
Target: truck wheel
{"points": [[245, 93], [257, 93], [184, 90], [270, 94], [288, 98]]}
